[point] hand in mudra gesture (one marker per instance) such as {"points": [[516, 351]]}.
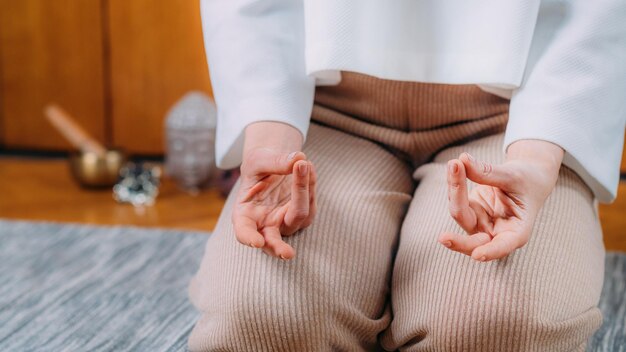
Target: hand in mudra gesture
{"points": [[276, 198], [500, 211]]}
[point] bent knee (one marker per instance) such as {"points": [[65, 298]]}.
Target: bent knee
{"points": [[254, 321], [512, 328]]}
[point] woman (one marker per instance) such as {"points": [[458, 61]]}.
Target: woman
{"points": [[353, 226]]}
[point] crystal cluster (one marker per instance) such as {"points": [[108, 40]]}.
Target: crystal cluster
{"points": [[138, 185]]}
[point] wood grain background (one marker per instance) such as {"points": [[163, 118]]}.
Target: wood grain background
{"points": [[51, 51], [157, 56], [117, 66]]}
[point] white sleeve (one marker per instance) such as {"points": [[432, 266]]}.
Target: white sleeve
{"points": [[574, 95], [255, 51]]}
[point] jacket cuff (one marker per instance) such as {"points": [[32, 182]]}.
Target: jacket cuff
{"points": [[295, 111], [600, 171]]}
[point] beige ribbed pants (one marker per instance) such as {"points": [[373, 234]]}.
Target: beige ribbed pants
{"points": [[369, 272]]}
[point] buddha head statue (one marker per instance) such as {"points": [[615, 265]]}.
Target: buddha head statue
{"points": [[190, 137]]}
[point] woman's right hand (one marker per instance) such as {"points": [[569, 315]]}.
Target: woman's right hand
{"points": [[276, 196]]}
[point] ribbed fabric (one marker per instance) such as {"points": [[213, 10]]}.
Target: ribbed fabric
{"points": [[413, 120], [333, 295], [369, 271]]}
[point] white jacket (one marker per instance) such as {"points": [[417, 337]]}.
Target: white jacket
{"points": [[562, 64]]}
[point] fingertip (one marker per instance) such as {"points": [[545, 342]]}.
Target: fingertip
{"points": [[467, 160], [287, 253], [465, 156], [257, 242], [446, 239], [254, 242], [246, 237], [295, 156], [453, 167], [276, 245], [293, 159], [246, 233], [273, 253], [300, 162], [479, 256], [482, 254], [301, 168], [444, 236]]}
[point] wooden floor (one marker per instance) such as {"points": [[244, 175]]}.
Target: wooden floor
{"points": [[42, 189]]}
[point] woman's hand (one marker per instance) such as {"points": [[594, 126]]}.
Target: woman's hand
{"points": [[277, 192], [499, 213]]}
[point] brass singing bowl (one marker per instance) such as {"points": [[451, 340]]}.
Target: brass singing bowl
{"points": [[92, 170]]}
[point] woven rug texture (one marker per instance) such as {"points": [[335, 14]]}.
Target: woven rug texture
{"points": [[85, 288]]}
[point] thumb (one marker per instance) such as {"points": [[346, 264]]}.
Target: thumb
{"points": [[271, 161], [486, 173]]}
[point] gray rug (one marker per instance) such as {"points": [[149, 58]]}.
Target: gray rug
{"points": [[84, 288]]}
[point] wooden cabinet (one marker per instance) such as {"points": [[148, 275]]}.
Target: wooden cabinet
{"points": [[117, 66], [50, 51], [157, 56]]}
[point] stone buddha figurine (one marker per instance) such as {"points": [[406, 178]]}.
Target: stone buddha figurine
{"points": [[190, 137]]}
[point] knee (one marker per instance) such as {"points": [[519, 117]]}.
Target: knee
{"points": [[252, 320], [516, 326]]}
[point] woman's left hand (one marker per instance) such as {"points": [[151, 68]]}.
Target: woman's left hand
{"points": [[499, 213]]}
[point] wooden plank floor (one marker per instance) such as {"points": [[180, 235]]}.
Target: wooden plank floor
{"points": [[42, 189]]}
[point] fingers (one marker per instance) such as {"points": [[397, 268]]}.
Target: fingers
{"points": [[503, 244], [264, 161], [481, 246], [270, 240], [486, 173], [464, 244], [483, 220], [275, 246], [298, 208], [312, 197], [303, 205], [458, 202], [246, 232], [246, 196]]}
